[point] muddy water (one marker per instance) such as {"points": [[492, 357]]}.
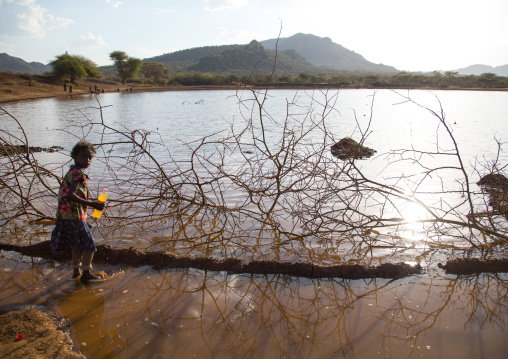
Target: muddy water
{"points": [[144, 313]]}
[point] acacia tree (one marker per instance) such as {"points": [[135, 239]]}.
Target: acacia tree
{"points": [[154, 71], [126, 66], [74, 66]]}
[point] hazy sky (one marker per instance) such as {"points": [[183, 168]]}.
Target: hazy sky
{"points": [[409, 35]]}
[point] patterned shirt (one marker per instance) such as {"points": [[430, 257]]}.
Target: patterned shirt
{"points": [[66, 208]]}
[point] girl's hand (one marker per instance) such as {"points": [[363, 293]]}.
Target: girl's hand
{"points": [[98, 205]]}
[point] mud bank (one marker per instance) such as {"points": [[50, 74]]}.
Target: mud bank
{"points": [[496, 186], [347, 148], [160, 259], [30, 333], [9, 150], [474, 265]]}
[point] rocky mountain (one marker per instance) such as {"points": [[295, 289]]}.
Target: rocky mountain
{"points": [[482, 69], [15, 64], [323, 52]]}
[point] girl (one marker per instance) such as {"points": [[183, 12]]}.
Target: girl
{"points": [[71, 230]]}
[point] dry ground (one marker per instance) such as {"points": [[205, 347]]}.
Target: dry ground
{"points": [[16, 87], [42, 336]]}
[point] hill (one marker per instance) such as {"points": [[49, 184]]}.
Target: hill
{"points": [[322, 52], [298, 53], [482, 69], [15, 64], [253, 58], [180, 60]]}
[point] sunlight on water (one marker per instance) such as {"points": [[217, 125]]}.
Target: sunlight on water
{"points": [[413, 212]]}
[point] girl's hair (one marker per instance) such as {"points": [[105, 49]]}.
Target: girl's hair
{"points": [[82, 145]]}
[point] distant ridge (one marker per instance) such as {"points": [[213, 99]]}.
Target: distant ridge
{"points": [[15, 64], [482, 69], [323, 52]]}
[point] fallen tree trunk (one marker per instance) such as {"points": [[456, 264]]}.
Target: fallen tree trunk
{"points": [[475, 265], [161, 259]]}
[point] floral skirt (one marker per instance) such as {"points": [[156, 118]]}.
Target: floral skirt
{"points": [[69, 234]]}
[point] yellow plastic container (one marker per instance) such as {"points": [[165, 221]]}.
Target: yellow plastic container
{"points": [[103, 197]]}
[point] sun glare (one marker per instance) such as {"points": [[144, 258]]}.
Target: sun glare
{"points": [[413, 212]]}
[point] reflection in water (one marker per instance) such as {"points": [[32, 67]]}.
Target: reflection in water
{"points": [[85, 308], [186, 313]]}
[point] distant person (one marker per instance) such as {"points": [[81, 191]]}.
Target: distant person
{"points": [[71, 230], [65, 87]]}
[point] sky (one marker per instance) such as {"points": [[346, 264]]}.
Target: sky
{"points": [[413, 35]]}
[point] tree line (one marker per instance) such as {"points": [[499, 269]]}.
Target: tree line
{"points": [[131, 69]]}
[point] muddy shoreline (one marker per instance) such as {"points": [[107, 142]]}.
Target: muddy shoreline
{"points": [[30, 333]]}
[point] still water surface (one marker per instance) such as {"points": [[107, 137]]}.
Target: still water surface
{"points": [[144, 313], [476, 117]]}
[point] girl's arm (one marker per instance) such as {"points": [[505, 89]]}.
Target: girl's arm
{"points": [[72, 196]]}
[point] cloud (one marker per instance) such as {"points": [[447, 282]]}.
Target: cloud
{"points": [[35, 21], [19, 2], [114, 3], [218, 5], [164, 11], [89, 41]]}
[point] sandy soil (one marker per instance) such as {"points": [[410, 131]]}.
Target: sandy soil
{"points": [[30, 333]]}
